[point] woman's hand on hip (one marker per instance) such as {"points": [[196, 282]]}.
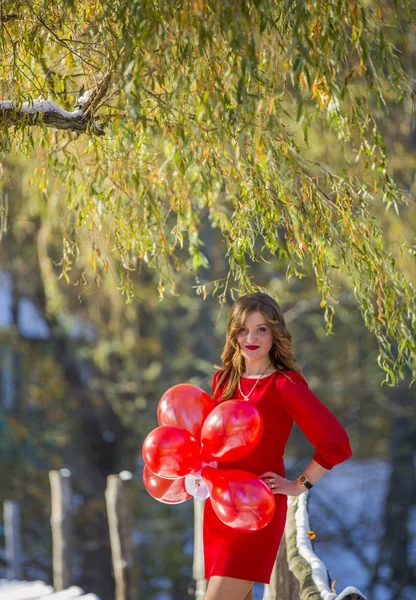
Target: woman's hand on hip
{"points": [[280, 485]]}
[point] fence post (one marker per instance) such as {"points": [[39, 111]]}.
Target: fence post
{"points": [[118, 496], [11, 511], [198, 564], [283, 584], [61, 506]]}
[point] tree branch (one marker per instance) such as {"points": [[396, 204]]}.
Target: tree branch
{"points": [[10, 17], [48, 113], [52, 115]]}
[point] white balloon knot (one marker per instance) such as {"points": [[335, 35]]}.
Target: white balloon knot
{"points": [[196, 486]]}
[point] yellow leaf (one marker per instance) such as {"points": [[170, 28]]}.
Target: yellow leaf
{"points": [[320, 90], [93, 262], [302, 80], [199, 7], [70, 60]]}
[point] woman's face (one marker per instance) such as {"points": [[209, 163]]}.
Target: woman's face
{"points": [[255, 337]]}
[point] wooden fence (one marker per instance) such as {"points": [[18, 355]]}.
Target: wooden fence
{"points": [[298, 573]]}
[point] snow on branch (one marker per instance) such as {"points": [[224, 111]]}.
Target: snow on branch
{"points": [[49, 113], [303, 562]]}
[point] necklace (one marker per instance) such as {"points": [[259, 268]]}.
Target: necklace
{"points": [[254, 386]]}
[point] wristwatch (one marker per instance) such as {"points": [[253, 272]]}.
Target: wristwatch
{"points": [[304, 480]]}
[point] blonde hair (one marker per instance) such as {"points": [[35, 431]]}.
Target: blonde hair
{"points": [[282, 354]]}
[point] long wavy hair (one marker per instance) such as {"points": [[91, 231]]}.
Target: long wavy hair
{"points": [[282, 354]]}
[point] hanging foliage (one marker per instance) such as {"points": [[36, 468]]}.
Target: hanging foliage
{"points": [[151, 118]]}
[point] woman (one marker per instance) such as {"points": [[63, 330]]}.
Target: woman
{"points": [[259, 366]]}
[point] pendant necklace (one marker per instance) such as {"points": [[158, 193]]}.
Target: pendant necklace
{"points": [[254, 386]]}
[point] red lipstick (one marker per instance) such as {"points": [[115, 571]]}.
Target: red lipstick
{"points": [[252, 347]]}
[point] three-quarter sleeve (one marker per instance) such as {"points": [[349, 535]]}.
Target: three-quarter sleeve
{"points": [[316, 421]]}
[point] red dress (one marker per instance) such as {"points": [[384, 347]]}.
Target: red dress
{"points": [[251, 556]]}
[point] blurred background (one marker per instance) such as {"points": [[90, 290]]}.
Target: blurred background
{"points": [[79, 386]]}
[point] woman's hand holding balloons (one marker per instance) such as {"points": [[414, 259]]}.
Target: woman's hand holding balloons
{"points": [[194, 433]]}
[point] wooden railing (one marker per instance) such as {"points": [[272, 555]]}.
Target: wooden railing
{"points": [[298, 572], [310, 572]]}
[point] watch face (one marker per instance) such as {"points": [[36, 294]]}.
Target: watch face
{"points": [[302, 479]]}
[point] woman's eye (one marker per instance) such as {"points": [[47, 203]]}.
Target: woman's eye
{"points": [[242, 329], [262, 329]]}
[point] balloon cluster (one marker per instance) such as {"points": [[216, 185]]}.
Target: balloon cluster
{"points": [[194, 435]]}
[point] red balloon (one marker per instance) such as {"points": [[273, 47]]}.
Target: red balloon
{"points": [[168, 491], [230, 431], [171, 452], [240, 499], [185, 405]]}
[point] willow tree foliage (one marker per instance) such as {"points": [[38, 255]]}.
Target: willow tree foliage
{"points": [[151, 118]]}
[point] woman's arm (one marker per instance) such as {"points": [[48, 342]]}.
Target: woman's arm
{"points": [[316, 421], [319, 425], [281, 485]]}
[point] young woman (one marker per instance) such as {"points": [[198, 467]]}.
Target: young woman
{"points": [[259, 366]]}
